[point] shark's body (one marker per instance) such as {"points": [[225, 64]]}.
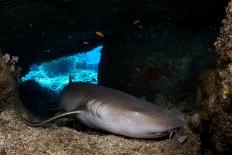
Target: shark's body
{"points": [[115, 111]]}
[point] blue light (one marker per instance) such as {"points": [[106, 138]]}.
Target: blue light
{"points": [[55, 74], [92, 57]]}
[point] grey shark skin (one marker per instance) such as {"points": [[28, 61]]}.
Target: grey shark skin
{"points": [[114, 111]]}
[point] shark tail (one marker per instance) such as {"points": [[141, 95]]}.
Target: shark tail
{"points": [[63, 115]]}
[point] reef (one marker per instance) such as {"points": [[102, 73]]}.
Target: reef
{"points": [[9, 78], [217, 92]]}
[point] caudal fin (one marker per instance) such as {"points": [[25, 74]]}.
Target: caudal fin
{"points": [[63, 115]]}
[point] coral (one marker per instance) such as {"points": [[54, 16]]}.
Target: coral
{"points": [[223, 43], [9, 75], [208, 83], [216, 91], [215, 116], [221, 131]]}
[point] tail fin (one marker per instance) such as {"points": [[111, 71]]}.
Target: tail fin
{"points": [[37, 124]]}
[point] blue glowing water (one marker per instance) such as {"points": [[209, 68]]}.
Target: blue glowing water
{"points": [[54, 75]]}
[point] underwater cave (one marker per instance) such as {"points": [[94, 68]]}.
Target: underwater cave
{"points": [[51, 77], [161, 51]]}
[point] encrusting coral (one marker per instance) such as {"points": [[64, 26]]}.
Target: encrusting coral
{"points": [[216, 93], [9, 76]]}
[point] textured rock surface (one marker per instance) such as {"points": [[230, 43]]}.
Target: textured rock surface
{"points": [[8, 83], [217, 92]]}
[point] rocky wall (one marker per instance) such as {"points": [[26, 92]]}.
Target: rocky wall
{"points": [[217, 92], [9, 78], [159, 63]]}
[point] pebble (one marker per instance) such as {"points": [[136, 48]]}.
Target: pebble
{"points": [[182, 139]]}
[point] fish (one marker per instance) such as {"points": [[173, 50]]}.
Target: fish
{"points": [[100, 34], [136, 22], [85, 43], [114, 111]]}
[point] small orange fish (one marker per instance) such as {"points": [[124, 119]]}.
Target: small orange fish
{"points": [[136, 22], [85, 42], [100, 34]]}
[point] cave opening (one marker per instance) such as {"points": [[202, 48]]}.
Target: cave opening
{"points": [[44, 82], [54, 75]]}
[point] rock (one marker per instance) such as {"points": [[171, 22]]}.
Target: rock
{"points": [[8, 83], [182, 139], [218, 102], [195, 122], [37, 99]]}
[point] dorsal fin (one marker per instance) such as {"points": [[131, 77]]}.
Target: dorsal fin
{"points": [[69, 79]]}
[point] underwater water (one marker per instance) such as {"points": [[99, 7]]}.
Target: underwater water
{"points": [[54, 75]]}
